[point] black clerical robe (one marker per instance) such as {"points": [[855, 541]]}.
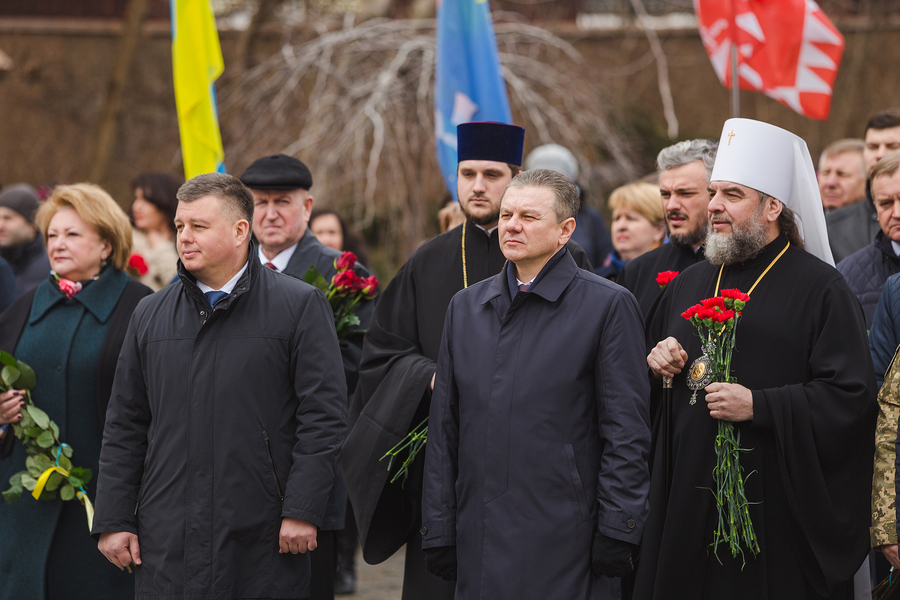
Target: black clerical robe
{"points": [[398, 361], [639, 275], [801, 349]]}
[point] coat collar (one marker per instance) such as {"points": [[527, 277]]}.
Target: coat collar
{"points": [[189, 282], [99, 298], [307, 253], [550, 284]]}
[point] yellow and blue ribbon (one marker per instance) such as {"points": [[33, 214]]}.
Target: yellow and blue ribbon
{"points": [[81, 495]]}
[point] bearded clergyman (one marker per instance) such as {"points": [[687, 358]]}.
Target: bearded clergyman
{"points": [[803, 403]]}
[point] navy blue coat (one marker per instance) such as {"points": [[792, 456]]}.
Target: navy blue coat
{"points": [[866, 271], [538, 434], [884, 336]]}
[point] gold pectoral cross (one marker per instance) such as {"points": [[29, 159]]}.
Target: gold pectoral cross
{"points": [[731, 135]]}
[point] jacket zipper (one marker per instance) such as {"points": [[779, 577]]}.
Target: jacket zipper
{"points": [[272, 465]]}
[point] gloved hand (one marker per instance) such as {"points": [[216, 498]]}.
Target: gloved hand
{"points": [[441, 561], [610, 557]]}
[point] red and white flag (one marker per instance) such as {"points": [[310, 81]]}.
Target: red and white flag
{"points": [[787, 49]]}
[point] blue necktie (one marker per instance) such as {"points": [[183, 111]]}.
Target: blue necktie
{"points": [[214, 297]]}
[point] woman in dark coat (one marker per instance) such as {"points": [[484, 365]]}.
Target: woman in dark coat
{"points": [[69, 330]]}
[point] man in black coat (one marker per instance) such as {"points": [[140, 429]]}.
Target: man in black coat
{"points": [[539, 431], [684, 170], [226, 418], [280, 185]]}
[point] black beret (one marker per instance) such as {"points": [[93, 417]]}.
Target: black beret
{"points": [[490, 141], [278, 172]]}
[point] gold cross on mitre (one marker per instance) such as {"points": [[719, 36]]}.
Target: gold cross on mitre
{"points": [[731, 134]]}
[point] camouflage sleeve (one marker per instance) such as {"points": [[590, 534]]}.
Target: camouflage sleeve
{"points": [[883, 531]]}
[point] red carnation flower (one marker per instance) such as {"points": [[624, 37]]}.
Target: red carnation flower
{"points": [[664, 278], [137, 263], [347, 282], [706, 313], [345, 261], [715, 302], [735, 294], [724, 316], [691, 312]]}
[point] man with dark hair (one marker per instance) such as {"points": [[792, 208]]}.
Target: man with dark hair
{"points": [[684, 170], [803, 405], [882, 136], [539, 430], [226, 417], [280, 185], [867, 270], [401, 349], [20, 242]]}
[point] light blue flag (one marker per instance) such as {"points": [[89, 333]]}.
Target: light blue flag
{"points": [[468, 85]]}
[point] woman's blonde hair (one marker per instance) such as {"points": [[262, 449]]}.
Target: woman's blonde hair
{"points": [[97, 208], [643, 198]]}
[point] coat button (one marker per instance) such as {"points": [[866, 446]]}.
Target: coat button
{"points": [[424, 530], [631, 524]]}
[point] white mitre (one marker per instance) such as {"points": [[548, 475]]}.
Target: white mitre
{"points": [[775, 162]]}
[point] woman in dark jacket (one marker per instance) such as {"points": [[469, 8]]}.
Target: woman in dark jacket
{"points": [[69, 330]]}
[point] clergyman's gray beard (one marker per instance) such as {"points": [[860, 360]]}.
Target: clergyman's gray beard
{"points": [[689, 239], [743, 244], [483, 220]]}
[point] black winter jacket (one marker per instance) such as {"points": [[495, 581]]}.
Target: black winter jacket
{"points": [[221, 422], [866, 271]]}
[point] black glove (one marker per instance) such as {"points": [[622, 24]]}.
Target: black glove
{"points": [[610, 557], [441, 561]]}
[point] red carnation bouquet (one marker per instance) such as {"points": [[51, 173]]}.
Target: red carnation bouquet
{"points": [[716, 321], [344, 292]]}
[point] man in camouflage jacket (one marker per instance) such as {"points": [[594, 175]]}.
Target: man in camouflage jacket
{"points": [[884, 517]]}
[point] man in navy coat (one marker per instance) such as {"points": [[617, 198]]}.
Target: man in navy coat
{"points": [[536, 463]]}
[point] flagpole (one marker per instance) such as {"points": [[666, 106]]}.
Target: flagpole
{"points": [[735, 84]]}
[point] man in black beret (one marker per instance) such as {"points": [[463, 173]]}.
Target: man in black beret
{"points": [[400, 356], [20, 242], [280, 185]]}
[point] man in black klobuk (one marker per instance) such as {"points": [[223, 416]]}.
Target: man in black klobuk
{"points": [[684, 170], [804, 401], [401, 349], [536, 473]]}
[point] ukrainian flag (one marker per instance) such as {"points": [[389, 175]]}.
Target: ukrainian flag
{"points": [[196, 64]]}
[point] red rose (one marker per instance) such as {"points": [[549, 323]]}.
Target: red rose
{"points": [[345, 261], [665, 278], [137, 263], [69, 288], [370, 284], [715, 302], [347, 282]]}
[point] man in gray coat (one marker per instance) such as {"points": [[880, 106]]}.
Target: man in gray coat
{"points": [[536, 477], [225, 420]]}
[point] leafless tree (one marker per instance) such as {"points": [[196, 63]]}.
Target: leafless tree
{"points": [[356, 104]]}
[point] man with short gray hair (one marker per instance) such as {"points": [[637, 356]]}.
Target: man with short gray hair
{"points": [[850, 218], [225, 420], [684, 170], [536, 476]]}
